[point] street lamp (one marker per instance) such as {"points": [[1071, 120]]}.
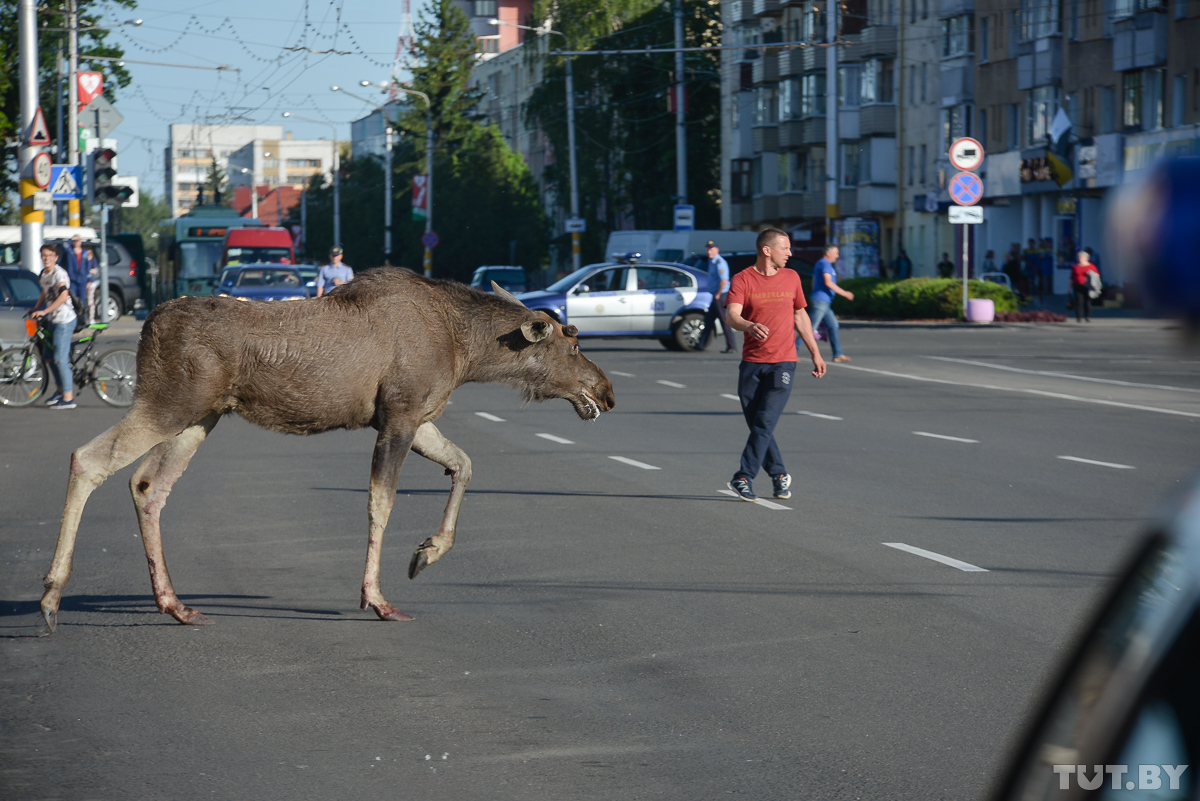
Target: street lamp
{"points": [[387, 173], [428, 164], [253, 193], [337, 196], [570, 134]]}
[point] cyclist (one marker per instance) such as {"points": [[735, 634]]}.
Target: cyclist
{"points": [[55, 303]]}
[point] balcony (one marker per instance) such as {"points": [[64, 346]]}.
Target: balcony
{"points": [[1140, 41], [791, 133], [742, 213], [812, 131], [767, 8], [791, 62], [877, 120], [958, 85], [802, 205], [766, 69], [871, 199], [766, 138], [1042, 65], [766, 208], [741, 11], [877, 40], [847, 202], [954, 8]]}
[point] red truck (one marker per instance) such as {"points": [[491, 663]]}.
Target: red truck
{"points": [[252, 245]]}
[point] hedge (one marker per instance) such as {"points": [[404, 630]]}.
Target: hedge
{"points": [[917, 298]]}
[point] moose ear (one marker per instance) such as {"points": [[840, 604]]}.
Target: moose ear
{"points": [[536, 330], [570, 331], [501, 292]]}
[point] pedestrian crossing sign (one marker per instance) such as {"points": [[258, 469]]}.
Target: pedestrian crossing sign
{"points": [[65, 182]]}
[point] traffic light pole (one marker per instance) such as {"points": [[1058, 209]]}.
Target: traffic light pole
{"points": [[102, 298], [31, 220], [73, 214]]}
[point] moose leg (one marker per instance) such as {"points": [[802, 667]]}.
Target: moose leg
{"points": [[430, 443], [151, 484], [391, 448], [90, 465]]}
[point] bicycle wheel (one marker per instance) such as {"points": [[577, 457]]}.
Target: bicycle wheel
{"points": [[115, 377], [23, 377]]}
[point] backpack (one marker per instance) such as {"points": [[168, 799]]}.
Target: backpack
{"points": [[80, 310]]}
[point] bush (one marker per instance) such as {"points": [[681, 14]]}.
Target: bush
{"points": [[917, 298]]}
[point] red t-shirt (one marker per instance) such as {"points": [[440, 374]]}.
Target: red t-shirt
{"points": [[771, 301], [1079, 273]]}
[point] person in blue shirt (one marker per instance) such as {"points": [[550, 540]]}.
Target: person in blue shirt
{"points": [[824, 287], [718, 285], [334, 273], [83, 270]]}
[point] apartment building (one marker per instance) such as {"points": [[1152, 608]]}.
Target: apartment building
{"points": [[495, 39]]}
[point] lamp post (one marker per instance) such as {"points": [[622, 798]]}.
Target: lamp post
{"points": [[337, 196], [428, 162], [253, 193], [570, 134], [387, 173]]}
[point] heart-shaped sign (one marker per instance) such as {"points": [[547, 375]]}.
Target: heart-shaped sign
{"points": [[91, 84]]}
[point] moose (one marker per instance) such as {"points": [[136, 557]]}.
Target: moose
{"points": [[385, 350]]}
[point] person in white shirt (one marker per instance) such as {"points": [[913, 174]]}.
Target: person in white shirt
{"points": [[55, 303]]}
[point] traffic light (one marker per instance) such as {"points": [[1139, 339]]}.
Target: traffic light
{"points": [[102, 170]]}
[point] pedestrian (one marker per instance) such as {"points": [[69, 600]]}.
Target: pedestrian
{"points": [[945, 266], [83, 269], [55, 302], [989, 262], [824, 287], [903, 266], [334, 273], [1012, 268], [1033, 270], [766, 303], [718, 285], [1081, 286]]}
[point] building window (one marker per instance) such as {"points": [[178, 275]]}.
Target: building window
{"points": [[488, 44], [984, 43], [756, 176], [851, 162], [877, 81], [1142, 100], [767, 106], [849, 86], [812, 95], [1040, 107], [1178, 99], [1108, 109], [982, 130], [924, 82], [1181, 9], [740, 184], [912, 164], [1040, 18], [303, 163], [956, 123], [924, 9], [956, 36], [485, 8], [924, 163], [793, 171], [812, 23]]}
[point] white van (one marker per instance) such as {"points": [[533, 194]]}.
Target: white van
{"points": [[621, 243], [10, 239], [687, 246]]}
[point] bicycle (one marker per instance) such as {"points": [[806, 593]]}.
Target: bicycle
{"points": [[24, 375]]}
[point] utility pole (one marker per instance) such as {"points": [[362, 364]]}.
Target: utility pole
{"points": [[73, 214], [31, 221], [832, 165], [571, 158], [680, 117], [58, 140], [387, 191]]}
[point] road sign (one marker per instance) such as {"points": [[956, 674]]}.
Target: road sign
{"points": [[65, 182], [39, 133], [576, 225], [685, 218], [966, 154], [101, 114], [38, 201], [42, 167], [90, 85], [966, 189], [966, 215], [429, 239]]}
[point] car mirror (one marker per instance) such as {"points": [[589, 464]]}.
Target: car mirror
{"points": [[582, 289], [1125, 711]]}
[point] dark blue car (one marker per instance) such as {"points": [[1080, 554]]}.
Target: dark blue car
{"points": [[261, 282], [628, 299]]}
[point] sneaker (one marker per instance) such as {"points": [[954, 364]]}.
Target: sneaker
{"points": [[53, 399], [842, 359], [63, 404], [743, 489], [783, 485]]}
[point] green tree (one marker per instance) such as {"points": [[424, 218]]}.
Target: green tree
{"points": [[91, 43], [145, 218], [625, 132]]}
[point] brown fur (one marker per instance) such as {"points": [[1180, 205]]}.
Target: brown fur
{"points": [[385, 350]]}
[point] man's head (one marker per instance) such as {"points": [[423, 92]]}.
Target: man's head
{"points": [[832, 252], [1031, 241], [1084, 256], [712, 250], [335, 256], [76, 242], [774, 247], [49, 255]]}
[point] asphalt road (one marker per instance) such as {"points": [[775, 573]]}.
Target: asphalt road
{"points": [[605, 627]]}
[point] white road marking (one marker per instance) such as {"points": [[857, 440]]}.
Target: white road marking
{"points": [[671, 384], [1101, 464], [1042, 393], [626, 375], [966, 567], [1072, 376], [943, 436], [822, 416], [731, 397], [635, 463], [491, 417], [559, 440], [760, 501]]}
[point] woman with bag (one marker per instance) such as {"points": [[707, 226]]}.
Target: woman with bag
{"points": [[55, 303], [1081, 285]]}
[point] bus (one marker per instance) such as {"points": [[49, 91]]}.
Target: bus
{"points": [[189, 250]]}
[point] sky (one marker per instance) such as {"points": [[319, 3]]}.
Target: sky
{"points": [[253, 36]]}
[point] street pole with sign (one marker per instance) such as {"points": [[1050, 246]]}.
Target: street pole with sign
{"points": [[32, 135], [966, 189]]}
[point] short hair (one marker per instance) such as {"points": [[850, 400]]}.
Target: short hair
{"points": [[834, 246], [767, 236], [46, 246]]}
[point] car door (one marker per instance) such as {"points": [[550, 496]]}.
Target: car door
{"points": [[19, 291], [661, 293], [600, 303]]}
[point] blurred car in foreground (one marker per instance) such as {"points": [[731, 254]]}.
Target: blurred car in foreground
{"points": [[512, 279], [19, 291], [625, 298], [261, 282]]}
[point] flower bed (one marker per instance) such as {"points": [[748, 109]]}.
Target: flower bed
{"points": [[918, 298]]}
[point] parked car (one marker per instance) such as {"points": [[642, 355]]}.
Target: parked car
{"points": [[261, 282], [625, 298], [19, 291], [511, 278]]}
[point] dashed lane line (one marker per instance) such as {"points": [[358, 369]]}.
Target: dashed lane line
{"points": [[731, 397], [634, 463], [822, 416], [760, 501], [491, 417], [623, 375], [966, 567], [671, 384], [945, 437], [1055, 374], [1113, 465], [559, 440]]}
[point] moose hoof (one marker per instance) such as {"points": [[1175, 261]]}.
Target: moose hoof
{"points": [[425, 556], [190, 617], [389, 612], [50, 613]]}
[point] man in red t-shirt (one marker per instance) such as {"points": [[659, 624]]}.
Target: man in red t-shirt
{"points": [[767, 304]]}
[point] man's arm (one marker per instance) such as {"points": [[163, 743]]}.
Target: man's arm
{"points": [[833, 287], [804, 327], [321, 282], [733, 314]]}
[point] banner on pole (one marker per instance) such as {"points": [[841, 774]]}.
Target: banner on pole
{"points": [[420, 197]]}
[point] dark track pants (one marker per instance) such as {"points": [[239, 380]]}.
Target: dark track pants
{"points": [[764, 390]]}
